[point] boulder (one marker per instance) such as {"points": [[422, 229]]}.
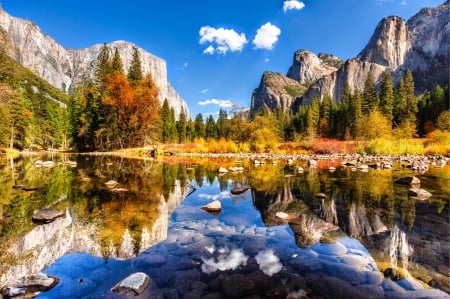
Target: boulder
{"points": [[28, 285], [409, 180], [133, 285], [222, 170], [214, 206], [47, 215], [419, 193], [111, 184]]}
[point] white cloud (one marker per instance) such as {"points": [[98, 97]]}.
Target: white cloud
{"points": [[266, 60], [204, 90], [227, 260], [268, 262], [220, 103], [293, 4], [266, 36], [222, 40]]}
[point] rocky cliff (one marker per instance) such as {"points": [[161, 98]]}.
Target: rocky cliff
{"points": [[64, 68], [420, 44]]}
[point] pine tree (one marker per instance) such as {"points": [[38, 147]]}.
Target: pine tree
{"points": [[370, 98], [223, 124], [116, 63], [182, 126], [199, 126], [357, 117], [102, 68], [211, 128], [387, 96], [135, 70]]}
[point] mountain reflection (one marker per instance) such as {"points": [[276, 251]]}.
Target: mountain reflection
{"points": [[367, 206], [404, 236], [97, 221]]}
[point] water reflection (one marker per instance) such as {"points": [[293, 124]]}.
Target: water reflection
{"points": [[405, 237]]}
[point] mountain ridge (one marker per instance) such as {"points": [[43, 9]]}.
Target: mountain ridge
{"points": [[65, 68], [420, 44]]}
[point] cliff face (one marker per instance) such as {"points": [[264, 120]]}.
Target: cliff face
{"points": [[64, 68], [421, 45]]}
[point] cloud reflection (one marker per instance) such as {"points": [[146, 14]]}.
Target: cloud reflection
{"points": [[268, 262], [226, 260]]}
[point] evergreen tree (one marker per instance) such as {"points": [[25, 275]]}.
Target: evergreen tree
{"points": [[76, 109], [135, 70], [387, 96], [399, 109], [199, 126], [312, 118], [370, 98], [211, 128], [102, 68], [182, 126], [190, 130], [116, 63], [223, 124], [356, 116], [325, 121]]}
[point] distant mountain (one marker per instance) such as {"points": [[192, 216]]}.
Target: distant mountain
{"points": [[421, 45], [64, 68]]}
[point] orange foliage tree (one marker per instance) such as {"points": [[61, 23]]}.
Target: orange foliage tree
{"points": [[136, 109]]}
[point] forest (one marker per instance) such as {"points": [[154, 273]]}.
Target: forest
{"points": [[119, 109]]}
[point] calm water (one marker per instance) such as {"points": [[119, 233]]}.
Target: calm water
{"points": [[366, 239]]}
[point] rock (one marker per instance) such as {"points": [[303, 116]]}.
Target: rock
{"points": [[237, 286], [419, 193], [222, 170], [47, 215], [409, 180], [312, 163], [118, 190], [282, 215], [214, 206], [321, 195], [236, 191], [39, 282], [133, 285], [111, 184]]}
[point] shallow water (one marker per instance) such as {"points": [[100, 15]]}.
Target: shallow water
{"points": [[366, 239]]}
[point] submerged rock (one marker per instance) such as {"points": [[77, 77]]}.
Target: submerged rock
{"points": [[133, 285]]}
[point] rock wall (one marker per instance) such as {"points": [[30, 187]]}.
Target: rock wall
{"points": [[420, 44], [65, 68]]}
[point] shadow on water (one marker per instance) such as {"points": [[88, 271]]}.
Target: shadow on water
{"points": [[346, 233]]}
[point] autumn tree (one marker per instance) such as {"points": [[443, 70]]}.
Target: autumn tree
{"points": [[145, 120], [264, 135]]}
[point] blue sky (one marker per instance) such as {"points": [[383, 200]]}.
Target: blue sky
{"points": [[217, 51]]}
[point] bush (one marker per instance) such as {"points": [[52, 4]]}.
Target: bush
{"points": [[438, 142], [384, 146]]}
